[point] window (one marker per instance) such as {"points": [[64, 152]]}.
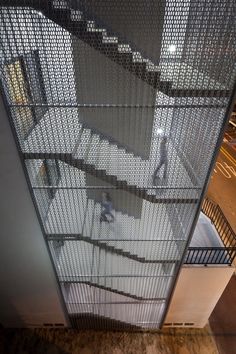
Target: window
{"points": [[25, 90]]}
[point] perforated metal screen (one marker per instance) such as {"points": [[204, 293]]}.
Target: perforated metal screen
{"points": [[117, 107]]}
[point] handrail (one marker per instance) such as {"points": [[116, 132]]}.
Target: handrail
{"points": [[215, 255], [210, 255], [217, 217]]}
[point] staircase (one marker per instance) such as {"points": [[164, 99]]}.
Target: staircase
{"points": [[108, 157], [86, 30], [98, 303], [94, 154], [74, 21], [101, 269], [123, 237]]}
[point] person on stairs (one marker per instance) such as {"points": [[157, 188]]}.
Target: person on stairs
{"points": [[106, 208], [163, 160]]}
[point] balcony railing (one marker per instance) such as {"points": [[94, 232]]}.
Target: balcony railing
{"points": [[210, 255], [215, 255], [217, 217]]}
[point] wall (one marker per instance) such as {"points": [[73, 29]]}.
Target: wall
{"points": [[197, 291], [100, 81], [29, 292]]}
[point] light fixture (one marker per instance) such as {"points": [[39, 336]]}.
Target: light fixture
{"points": [[172, 48], [159, 131]]}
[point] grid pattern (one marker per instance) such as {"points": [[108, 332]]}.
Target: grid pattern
{"points": [[123, 100]]}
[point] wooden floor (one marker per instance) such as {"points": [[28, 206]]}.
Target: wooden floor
{"points": [[60, 341]]}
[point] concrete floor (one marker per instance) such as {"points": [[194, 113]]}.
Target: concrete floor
{"points": [[60, 341]]}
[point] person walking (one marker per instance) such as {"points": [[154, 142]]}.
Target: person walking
{"points": [[163, 160], [106, 208]]}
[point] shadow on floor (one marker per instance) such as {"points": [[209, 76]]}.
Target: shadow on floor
{"points": [[26, 341], [69, 341]]}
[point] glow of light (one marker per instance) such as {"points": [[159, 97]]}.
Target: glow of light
{"points": [[159, 131], [172, 48], [40, 13]]}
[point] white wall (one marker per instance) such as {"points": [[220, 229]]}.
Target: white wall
{"points": [[101, 81], [197, 291], [29, 293]]}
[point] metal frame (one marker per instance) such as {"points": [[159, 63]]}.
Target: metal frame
{"points": [[5, 101], [201, 200], [96, 258]]}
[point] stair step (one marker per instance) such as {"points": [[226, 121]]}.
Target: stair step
{"points": [[101, 30], [76, 15], [60, 4], [137, 57], [151, 67], [124, 48], [90, 25], [72, 19], [107, 39]]}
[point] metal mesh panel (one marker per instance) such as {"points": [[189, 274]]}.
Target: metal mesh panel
{"points": [[124, 98]]}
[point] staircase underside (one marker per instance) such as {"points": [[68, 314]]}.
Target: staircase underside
{"points": [[101, 174], [115, 291], [108, 248], [62, 16]]}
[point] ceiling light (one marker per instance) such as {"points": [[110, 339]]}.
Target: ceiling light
{"points": [[172, 48], [159, 131]]}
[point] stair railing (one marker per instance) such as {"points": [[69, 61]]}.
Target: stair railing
{"points": [[215, 255], [214, 212]]}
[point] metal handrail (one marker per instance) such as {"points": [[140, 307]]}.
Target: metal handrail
{"points": [[217, 217], [210, 255], [215, 255]]}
